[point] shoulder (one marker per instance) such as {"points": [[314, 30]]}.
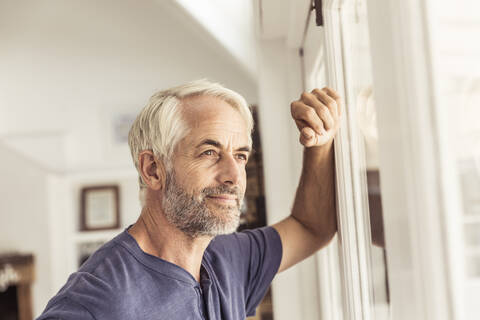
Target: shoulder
{"points": [[245, 247], [100, 283], [65, 308], [246, 240]]}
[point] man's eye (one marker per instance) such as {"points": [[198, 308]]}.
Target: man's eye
{"points": [[242, 157], [209, 153]]}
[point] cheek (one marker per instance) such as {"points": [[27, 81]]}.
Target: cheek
{"points": [[194, 177], [243, 183]]}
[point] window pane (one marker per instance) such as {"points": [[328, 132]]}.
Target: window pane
{"points": [[457, 50], [360, 98], [328, 259]]}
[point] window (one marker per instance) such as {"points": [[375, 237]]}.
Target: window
{"points": [[352, 270]]}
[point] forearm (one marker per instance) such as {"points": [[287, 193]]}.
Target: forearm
{"points": [[315, 203], [313, 221]]}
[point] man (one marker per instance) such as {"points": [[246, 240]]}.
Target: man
{"points": [[180, 260]]}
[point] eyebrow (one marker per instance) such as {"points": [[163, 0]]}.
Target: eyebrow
{"points": [[217, 144]]}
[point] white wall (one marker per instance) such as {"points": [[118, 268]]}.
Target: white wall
{"points": [[69, 65], [23, 216], [280, 84]]}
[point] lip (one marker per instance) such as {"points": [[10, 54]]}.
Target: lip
{"points": [[224, 198]]}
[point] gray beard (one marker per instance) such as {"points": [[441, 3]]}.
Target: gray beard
{"points": [[193, 217]]}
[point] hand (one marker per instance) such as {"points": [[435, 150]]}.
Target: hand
{"points": [[317, 115]]}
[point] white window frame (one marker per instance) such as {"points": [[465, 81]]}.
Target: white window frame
{"points": [[352, 197], [421, 230]]}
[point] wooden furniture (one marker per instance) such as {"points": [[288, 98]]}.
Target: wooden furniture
{"points": [[16, 274]]}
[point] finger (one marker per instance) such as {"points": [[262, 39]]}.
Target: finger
{"points": [[301, 111], [332, 93], [328, 101], [320, 108], [308, 137], [301, 124]]}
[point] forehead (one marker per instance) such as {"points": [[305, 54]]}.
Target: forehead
{"points": [[212, 117]]}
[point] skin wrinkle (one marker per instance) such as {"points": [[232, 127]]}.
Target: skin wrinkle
{"points": [[185, 207], [190, 213], [204, 122]]}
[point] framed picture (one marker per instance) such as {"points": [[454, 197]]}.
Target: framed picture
{"points": [[99, 208]]}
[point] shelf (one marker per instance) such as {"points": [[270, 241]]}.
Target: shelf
{"points": [[91, 236]]}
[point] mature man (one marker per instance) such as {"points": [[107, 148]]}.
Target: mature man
{"points": [[181, 259]]}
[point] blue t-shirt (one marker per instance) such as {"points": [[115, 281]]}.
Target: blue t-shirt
{"points": [[120, 281]]}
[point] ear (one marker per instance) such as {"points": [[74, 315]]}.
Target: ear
{"points": [[152, 170]]}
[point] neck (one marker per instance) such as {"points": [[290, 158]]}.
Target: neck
{"points": [[159, 238]]}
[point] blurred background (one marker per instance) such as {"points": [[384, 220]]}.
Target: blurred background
{"points": [[74, 75]]}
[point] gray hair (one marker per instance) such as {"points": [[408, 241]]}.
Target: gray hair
{"points": [[160, 125]]}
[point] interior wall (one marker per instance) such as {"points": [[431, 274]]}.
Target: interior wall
{"points": [[70, 66], [23, 211], [279, 85]]}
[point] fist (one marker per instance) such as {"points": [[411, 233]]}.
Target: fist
{"points": [[317, 116]]}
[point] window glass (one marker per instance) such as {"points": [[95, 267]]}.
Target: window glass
{"points": [[463, 96], [360, 99], [458, 67], [328, 259]]}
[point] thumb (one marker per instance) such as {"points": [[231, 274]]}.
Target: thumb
{"points": [[308, 137]]}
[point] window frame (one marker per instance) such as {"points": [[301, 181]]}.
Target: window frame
{"points": [[353, 246], [422, 232]]}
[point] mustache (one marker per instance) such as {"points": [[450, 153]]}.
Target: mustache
{"points": [[222, 189]]}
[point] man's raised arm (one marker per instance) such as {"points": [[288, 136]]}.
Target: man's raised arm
{"points": [[313, 223]]}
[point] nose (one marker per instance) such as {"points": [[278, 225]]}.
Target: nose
{"points": [[230, 171]]}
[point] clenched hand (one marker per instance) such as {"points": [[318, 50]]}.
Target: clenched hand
{"points": [[317, 115]]}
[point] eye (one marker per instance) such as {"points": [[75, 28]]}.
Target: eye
{"points": [[242, 156], [209, 153]]}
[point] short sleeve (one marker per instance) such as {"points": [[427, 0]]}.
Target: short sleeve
{"points": [[65, 309], [255, 257]]}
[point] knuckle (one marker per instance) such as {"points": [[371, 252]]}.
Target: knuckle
{"points": [[295, 103], [332, 104], [308, 97], [310, 112], [325, 112], [294, 107]]}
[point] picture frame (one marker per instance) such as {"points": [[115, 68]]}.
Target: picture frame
{"points": [[99, 208]]}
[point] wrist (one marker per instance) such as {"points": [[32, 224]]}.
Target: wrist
{"points": [[319, 151]]}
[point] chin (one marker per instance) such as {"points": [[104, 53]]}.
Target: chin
{"points": [[227, 227]]}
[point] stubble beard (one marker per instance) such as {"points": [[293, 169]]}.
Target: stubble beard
{"points": [[191, 214]]}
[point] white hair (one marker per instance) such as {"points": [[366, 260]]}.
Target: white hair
{"points": [[160, 125]]}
